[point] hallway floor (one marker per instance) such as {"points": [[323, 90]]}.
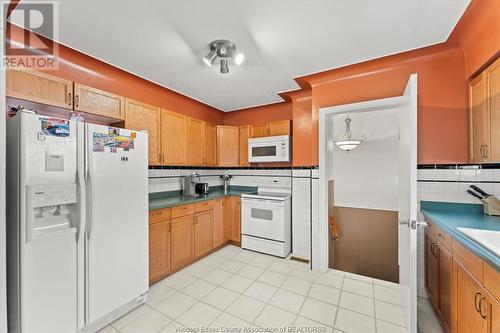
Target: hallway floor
{"points": [[235, 288]]}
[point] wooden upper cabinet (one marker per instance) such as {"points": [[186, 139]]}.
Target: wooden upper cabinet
{"points": [[195, 141], [484, 115], [244, 132], [493, 92], [228, 145], [95, 101], [174, 143], [478, 119], [209, 144], [468, 297], [234, 212], [143, 117], [39, 87], [273, 128], [259, 130], [279, 128], [203, 232]]}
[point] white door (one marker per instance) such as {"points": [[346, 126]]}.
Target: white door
{"points": [[117, 218], [408, 202]]}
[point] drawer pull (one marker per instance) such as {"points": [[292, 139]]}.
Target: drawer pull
{"points": [[476, 305], [481, 307]]}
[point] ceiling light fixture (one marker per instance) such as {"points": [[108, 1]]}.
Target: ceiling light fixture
{"points": [[225, 50], [347, 142]]}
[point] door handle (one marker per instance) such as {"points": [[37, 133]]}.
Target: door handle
{"points": [[485, 151], [77, 100], [476, 305], [69, 99], [481, 307]]}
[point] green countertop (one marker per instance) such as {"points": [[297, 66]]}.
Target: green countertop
{"points": [[175, 198], [450, 216]]}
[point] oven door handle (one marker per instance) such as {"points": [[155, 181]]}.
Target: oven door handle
{"points": [[264, 201]]}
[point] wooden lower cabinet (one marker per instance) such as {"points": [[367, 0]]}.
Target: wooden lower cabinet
{"points": [[431, 268], [234, 213], [221, 228], [182, 241], [468, 295], [180, 235], [445, 269], [159, 250], [203, 232]]}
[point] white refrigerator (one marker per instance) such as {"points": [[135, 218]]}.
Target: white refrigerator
{"points": [[77, 237]]}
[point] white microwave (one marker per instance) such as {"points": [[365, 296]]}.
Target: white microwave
{"points": [[269, 149]]}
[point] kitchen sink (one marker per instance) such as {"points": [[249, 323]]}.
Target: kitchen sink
{"points": [[490, 239]]}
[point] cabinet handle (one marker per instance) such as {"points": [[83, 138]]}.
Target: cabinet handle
{"points": [[475, 302], [433, 247], [170, 227], [69, 99], [481, 307], [485, 151], [77, 100], [481, 151]]}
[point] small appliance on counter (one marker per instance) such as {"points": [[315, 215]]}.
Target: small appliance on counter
{"points": [[202, 188], [226, 180], [491, 205], [189, 184]]}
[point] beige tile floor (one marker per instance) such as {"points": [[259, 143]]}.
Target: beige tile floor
{"points": [[233, 289]]}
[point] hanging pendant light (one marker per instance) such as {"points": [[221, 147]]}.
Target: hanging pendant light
{"points": [[347, 142]]}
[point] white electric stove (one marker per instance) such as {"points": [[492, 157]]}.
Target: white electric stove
{"points": [[266, 221]]}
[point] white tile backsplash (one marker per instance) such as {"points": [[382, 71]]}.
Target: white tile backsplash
{"points": [[450, 185]]}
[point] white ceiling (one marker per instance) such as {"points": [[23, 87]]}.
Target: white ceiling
{"points": [[164, 40]]}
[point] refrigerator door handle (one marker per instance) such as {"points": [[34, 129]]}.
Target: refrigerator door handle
{"points": [[90, 198]]}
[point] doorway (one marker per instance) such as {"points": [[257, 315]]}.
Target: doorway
{"points": [[406, 107]]}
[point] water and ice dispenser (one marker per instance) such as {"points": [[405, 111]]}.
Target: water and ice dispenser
{"points": [[50, 210]]}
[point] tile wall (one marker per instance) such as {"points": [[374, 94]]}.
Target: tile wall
{"points": [[450, 184], [161, 180]]}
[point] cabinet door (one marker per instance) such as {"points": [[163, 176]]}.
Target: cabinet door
{"points": [[431, 268], [159, 250], [244, 145], [195, 141], [259, 130], [182, 241], [143, 117], [203, 232], [234, 219], [492, 312], [173, 138], [468, 297], [39, 87], [209, 144], [95, 101], [221, 234], [493, 79], [479, 119], [279, 128], [228, 145], [445, 280]]}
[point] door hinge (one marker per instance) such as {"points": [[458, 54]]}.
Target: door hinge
{"points": [[413, 224]]}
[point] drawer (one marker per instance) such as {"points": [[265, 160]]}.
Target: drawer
{"points": [[204, 205], [179, 211], [491, 280], [443, 238], [472, 263], [159, 215]]}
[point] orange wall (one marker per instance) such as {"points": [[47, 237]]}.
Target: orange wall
{"points": [[81, 68], [478, 34], [259, 114], [442, 100], [443, 72]]}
